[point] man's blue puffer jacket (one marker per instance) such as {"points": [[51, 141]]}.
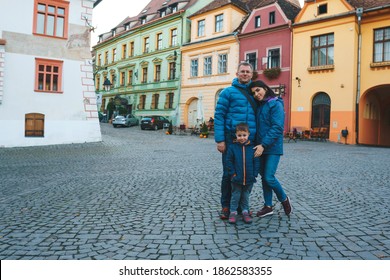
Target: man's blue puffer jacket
{"points": [[233, 108]]}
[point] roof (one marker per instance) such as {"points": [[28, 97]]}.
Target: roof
{"points": [[220, 3], [367, 4]]}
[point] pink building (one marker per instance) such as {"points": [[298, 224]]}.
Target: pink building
{"points": [[266, 43]]}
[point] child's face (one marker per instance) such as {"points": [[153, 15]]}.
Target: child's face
{"points": [[242, 136]]}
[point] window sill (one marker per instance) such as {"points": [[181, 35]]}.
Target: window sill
{"points": [[379, 64], [320, 68]]}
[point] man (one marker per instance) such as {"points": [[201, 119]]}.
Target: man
{"points": [[235, 105]]}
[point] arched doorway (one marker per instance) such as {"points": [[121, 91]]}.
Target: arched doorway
{"points": [[192, 113], [320, 112]]}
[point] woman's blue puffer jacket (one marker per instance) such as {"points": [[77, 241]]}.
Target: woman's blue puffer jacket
{"points": [[270, 126], [233, 108]]}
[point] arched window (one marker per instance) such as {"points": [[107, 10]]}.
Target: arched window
{"points": [[320, 110]]}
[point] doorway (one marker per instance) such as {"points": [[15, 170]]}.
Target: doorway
{"points": [[320, 116]]}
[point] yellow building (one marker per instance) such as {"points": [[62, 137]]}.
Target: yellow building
{"points": [[341, 70], [209, 62]]}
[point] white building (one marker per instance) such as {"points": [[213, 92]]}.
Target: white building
{"points": [[47, 93]]}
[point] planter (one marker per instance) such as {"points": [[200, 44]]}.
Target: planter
{"points": [[272, 73]]}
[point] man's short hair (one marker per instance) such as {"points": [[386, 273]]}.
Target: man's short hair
{"points": [[244, 63]]}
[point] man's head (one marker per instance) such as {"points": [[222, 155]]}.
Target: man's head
{"points": [[244, 72], [242, 133]]}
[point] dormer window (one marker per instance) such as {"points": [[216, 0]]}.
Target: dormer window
{"points": [[163, 12], [143, 20], [174, 8], [322, 9], [113, 32], [127, 26]]}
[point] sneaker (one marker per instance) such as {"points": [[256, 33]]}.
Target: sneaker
{"points": [[233, 218], [224, 213], [246, 218], [265, 211], [287, 206]]}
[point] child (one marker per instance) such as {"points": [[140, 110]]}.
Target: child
{"points": [[243, 168]]}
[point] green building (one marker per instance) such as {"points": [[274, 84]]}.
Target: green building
{"points": [[138, 63]]}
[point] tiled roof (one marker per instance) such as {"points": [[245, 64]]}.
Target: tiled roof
{"points": [[290, 8], [220, 3], [367, 4]]}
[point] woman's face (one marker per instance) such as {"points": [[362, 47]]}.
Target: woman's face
{"points": [[258, 93]]}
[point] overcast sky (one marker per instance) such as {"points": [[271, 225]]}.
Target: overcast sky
{"points": [[109, 13]]}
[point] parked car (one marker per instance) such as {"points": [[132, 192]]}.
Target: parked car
{"points": [[127, 120], [154, 122]]}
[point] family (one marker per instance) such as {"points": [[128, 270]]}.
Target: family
{"points": [[248, 127]]}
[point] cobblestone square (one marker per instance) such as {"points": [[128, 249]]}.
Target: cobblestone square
{"points": [[146, 195]]}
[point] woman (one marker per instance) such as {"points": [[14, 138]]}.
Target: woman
{"points": [[269, 145]]}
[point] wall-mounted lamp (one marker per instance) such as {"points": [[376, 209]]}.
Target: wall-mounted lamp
{"points": [[136, 74], [107, 85], [282, 89], [299, 81]]}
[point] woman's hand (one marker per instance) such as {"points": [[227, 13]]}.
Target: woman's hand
{"points": [[221, 147], [259, 150]]}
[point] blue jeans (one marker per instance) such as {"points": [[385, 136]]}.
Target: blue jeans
{"points": [[268, 167], [240, 197], [226, 188]]}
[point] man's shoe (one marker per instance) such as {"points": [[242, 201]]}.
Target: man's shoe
{"points": [[287, 206], [265, 211], [246, 218], [233, 218], [224, 213]]}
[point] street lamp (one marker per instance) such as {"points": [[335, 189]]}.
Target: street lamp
{"points": [[107, 85]]}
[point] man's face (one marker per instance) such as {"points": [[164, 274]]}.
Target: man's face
{"points": [[244, 74]]}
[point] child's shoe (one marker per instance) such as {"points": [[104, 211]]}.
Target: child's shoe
{"points": [[233, 218], [246, 217]]}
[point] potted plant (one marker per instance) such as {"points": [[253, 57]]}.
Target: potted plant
{"points": [[170, 128], [204, 131], [272, 73]]}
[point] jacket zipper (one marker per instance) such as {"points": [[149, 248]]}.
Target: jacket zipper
{"points": [[244, 164]]}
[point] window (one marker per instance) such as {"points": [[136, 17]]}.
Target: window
{"points": [[218, 23], [113, 55], [222, 63], [174, 37], [97, 82], [257, 21], [142, 101], [322, 9], [273, 58], [106, 57], [159, 41], [131, 48], [251, 58], [174, 8], [48, 75], [157, 73], [144, 74], [163, 12], [382, 44], [124, 51], [143, 20], [51, 18], [34, 125], [130, 77], [322, 50], [172, 70], [201, 26], [272, 18], [122, 79], [146, 45], [99, 62], [207, 66], [155, 99], [169, 101], [194, 67]]}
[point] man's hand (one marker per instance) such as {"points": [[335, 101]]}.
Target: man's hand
{"points": [[221, 147], [259, 150]]}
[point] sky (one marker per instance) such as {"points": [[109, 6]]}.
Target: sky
{"points": [[109, 13]]}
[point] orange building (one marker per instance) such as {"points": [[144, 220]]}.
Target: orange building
{"points": [[341, 70]]}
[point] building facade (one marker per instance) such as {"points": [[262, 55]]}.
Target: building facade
{"points": [[266, 43], [210, 60], [340, 78], [46, 80], [141, 59]]}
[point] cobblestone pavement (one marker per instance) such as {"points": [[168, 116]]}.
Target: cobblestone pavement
{"points": [[147, 195]]}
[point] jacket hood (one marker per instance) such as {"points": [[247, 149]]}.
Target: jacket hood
{"points": [[236, 83]]}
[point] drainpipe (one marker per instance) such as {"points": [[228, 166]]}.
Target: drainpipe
{"points": [[359, 13]]}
